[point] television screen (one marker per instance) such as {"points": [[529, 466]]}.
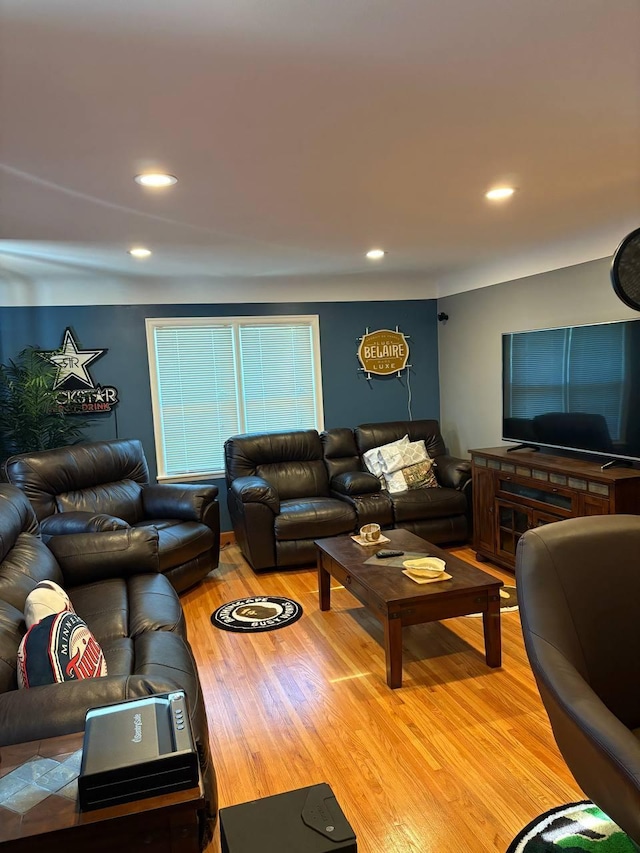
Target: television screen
{"points": [[574, 388]]}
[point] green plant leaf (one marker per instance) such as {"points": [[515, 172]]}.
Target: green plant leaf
{"points": [[30, 418]]}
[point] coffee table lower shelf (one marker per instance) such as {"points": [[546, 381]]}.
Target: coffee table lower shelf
{"points": [[398, 601]]}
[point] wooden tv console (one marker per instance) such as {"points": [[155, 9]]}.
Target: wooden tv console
{"points": [[515, 491]]}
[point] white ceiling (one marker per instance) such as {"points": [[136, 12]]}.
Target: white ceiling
{"points": [[304, 132]]}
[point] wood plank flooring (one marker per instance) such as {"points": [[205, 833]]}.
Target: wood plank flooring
{"points": [[459, 759]]}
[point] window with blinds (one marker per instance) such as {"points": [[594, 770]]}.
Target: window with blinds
{"points": [[215, 377]]}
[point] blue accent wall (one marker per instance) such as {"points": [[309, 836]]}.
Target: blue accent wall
{"points": [[349, 398]]}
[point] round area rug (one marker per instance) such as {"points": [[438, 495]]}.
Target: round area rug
{"points": [[260, 613], [508, 600], [574, 828]]}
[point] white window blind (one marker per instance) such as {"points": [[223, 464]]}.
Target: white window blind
{"points": [[215, 377], [277, 378]]}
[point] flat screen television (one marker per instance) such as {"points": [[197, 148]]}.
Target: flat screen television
{"points": [[574, 388]]}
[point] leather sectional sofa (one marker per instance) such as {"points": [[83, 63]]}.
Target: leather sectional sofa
{"points": [[285, 490], [104, 485], [116, 586]]}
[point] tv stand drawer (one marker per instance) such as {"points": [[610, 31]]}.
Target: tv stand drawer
{"points": [[534, 492]]}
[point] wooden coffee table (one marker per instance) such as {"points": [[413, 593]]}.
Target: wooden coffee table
{"points": [[167, 823], [398, 601]]}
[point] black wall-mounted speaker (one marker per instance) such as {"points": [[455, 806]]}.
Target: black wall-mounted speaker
{"points": [[625, 270]]}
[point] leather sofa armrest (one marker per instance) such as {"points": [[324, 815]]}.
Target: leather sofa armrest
{"points": [[63, 523], [355, 483], [89, 557], [452, 472], [185, 501], [59, 709], [256, 490]]}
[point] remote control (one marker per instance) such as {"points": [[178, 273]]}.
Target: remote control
{"points": [[385, 553]]}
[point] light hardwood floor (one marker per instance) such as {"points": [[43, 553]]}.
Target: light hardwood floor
{"points": [[459, 759]]}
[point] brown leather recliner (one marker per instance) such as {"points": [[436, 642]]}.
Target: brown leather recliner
{"points": [[439, 515], [115, 584], [579, 593], [104, 485], [284, 490], [278, 497]]}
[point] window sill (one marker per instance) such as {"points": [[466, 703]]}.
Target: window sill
{"points": [[190, 478]]}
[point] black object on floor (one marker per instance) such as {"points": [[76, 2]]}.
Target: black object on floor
{"points": [[308, 819], [258, 613]]}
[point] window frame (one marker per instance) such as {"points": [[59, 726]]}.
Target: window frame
{"points": [[153, 323]]}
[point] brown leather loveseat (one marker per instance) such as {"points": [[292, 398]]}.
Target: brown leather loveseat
{"points": [[104, 485], [114, 581], [440, 515], [285, 490]]}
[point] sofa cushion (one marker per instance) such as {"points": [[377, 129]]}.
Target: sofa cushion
{"points": [[59, 648], [313, 518], [105, 608], [373, 435], [24, 566], [417, 476], [45, 474], [291, 462], [154, 606], [120, 656], [418, 504], [162, 655], [179, 541], [117, 608], [340, 451], [378, 458], [403, 455], [122, 499]]}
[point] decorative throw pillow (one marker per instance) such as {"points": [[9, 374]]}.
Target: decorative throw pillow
{"points": [[59, 648], [375, 458], [403, 456], [45, 599], [418, 476]]}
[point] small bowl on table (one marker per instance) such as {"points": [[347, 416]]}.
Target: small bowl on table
{"points": [[426, 567], [370, 532]]}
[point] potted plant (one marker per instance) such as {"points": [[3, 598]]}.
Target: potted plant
{"points": [[30, 416]]}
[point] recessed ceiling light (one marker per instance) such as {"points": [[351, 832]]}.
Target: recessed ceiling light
{"points": [[155, 179], [376, 254], [500, 193], [140, 252]]}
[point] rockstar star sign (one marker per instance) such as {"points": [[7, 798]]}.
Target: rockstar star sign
{"points": [[72, 362]]}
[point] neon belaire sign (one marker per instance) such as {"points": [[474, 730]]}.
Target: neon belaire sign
{"points": [[383, 352], [76, 392]]}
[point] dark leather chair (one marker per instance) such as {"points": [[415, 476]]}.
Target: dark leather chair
{"points": [[114, 581], [279, 499], [439, 515], [104, 485], [579, 594]]}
